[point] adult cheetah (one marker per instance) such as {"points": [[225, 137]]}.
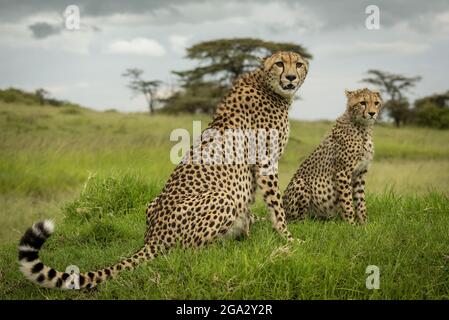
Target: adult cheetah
{"points": [[204, 201], [332, 178]]}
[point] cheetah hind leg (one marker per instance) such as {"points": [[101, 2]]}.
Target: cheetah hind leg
{"points": [[211, 216], [296, 201]]}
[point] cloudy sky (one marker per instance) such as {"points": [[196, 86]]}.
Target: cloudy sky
{"points": [[85, 66]]}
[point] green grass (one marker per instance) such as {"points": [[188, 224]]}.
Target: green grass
{"points": [[95, 172]]}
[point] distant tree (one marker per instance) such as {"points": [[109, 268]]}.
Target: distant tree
{"points": [[398, 110], [198, 98], [140, 86], [220, 62], [42, 95], [394, 87], [432, 111]]}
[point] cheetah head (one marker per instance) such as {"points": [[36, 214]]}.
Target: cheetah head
{"points": [[285, 72], [364, 105]]}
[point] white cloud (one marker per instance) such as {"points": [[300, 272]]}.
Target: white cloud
{"points": [[400, 47], [441, 22], [179, 43], [137, 46], [393, 47], [276, 17], [17, 35]]}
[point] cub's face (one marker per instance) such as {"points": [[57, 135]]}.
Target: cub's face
{"points": [[364, 105], [285, 72]]}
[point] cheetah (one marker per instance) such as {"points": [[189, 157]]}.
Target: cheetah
{"points": [[202, 202], [332, 179]]}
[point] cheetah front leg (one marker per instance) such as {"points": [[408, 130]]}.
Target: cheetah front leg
{"points": [[272, 197], [358, 186], [344, 189]]}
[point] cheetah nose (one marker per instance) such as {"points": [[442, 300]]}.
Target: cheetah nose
{"points": [[371, 114], [291, 77]]}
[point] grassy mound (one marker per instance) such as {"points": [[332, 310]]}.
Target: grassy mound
{"points": [[406, 238]]}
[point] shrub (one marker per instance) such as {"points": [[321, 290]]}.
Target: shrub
{"points": [[13, 95], [431, 115], [71, 110]]}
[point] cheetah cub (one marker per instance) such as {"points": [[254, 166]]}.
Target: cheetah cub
{"points": [[332, 179]]}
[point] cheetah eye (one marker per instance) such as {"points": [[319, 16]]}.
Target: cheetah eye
{"points": [[280, 64], [363, 103], [376, 103], [298, 65]]}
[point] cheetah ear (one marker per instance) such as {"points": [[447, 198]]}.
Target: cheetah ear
{"points": [[349, 93]]}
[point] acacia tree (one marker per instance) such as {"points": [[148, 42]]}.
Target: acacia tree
{"points": [[224, 60], [41, 95], [220, 62], [394, 86], [140, 86]]}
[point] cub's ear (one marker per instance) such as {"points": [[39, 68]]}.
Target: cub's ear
{"points": [[377, 93], [349, 93]]}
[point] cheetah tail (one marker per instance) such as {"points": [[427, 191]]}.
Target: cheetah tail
{"points": [[34, 270]]}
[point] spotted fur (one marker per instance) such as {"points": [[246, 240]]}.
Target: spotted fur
{"points": [[332, 179], [202, 202]]}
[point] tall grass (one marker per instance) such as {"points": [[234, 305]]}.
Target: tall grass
{"points": [[406, 237]]}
